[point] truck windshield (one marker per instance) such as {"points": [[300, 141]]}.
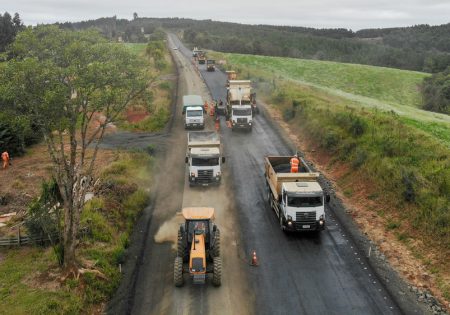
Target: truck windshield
{"points": [[194, 113], [242, 112], [304, 201], [205, 162]]}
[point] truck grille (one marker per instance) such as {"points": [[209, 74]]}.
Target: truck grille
{"points": [[205, 175], [242, 120], [305, 217]]}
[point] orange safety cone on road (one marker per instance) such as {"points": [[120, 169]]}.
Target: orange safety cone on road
{"points": [[254, 261], [211, 112], [206, 106]]}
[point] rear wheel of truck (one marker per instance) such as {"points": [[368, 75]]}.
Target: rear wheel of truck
{"points": [[217, 272], [178, 272]]}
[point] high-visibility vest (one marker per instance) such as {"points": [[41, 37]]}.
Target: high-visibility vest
{"points": [[294, 164]]}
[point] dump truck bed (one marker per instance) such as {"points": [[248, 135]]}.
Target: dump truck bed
{"points": [[278, 172], [203, 139]]}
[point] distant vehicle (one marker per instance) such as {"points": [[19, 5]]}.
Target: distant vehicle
{"points": [[203, 158], [201, 57], [198, 248], [175, 48], [191, 100], [210, 65], [297, 198], [195, 52], [231, 75]]}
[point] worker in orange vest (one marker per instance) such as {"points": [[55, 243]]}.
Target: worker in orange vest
{"points": [[205, 107], [295, 162], [5, 159]]}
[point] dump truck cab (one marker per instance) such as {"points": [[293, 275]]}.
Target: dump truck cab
{"points": [[203, 158], [210, 65], [198, 246], [303, 206]]}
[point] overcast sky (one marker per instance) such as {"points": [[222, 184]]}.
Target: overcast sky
{"points": [[353, 14]]}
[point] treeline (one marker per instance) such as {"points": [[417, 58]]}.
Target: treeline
{"points": [[436, 92], [421, 48], [9, 27], [16, 130]]}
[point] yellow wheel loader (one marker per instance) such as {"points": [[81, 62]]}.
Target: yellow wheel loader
{"points": [[198, 248]]}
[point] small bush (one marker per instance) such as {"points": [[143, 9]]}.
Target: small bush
{"points": [[288, 114], [360, 158], [96, 223], [391, 225], [330, 139]]}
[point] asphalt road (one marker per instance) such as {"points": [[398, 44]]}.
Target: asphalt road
{"points": [[321, 273], [300, 274]]}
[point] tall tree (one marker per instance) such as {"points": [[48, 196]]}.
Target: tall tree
{"points": [[65, 80], [9, 27]]}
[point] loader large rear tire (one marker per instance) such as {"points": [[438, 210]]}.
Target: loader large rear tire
{"points": [[178, 272], [181, 245], [216, 248], [217, 272]]}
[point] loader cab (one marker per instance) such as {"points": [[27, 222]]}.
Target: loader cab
{"points": [[198, 221]]}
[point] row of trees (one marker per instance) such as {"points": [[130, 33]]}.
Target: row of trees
{"points": [[62, 80], [436, 92], [9, 27]]}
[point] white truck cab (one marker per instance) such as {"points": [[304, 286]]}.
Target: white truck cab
{"points": [[241, 117], [303, 205], [194, 117], [204, 158]]}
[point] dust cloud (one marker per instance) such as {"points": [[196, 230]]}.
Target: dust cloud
{"points": [[167, 232]]}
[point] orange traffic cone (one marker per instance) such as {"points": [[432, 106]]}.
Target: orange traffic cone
{"points": [[254, 261], [211, 112], [206, 106]]}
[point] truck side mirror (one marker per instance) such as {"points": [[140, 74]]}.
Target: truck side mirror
{"points": [[186, 160], [327, 198], [223, 159]]}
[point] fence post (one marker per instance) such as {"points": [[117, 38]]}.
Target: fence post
{"points": [[18, 235]]}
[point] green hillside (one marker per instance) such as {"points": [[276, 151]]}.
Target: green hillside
{"points": [[393, 86]]}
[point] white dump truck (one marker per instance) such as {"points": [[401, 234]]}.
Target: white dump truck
{"points": [[239, 104], [204, 158], [193, 111], [297, 198]]}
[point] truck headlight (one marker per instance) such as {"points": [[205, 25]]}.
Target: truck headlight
{"points": [[250, 123], [321, 220], [192, 174], [218, 174], [289, 218]]}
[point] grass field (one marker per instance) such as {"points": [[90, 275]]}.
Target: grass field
{"points": [[393, 86], [386, 89]]}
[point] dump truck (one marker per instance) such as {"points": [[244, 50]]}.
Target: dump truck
{"points": [[198, 248], [239, 104], [297, 198], [204, 158], [194, 111], [231, 75], [195, 52], [210, 65], [201, 57]]}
